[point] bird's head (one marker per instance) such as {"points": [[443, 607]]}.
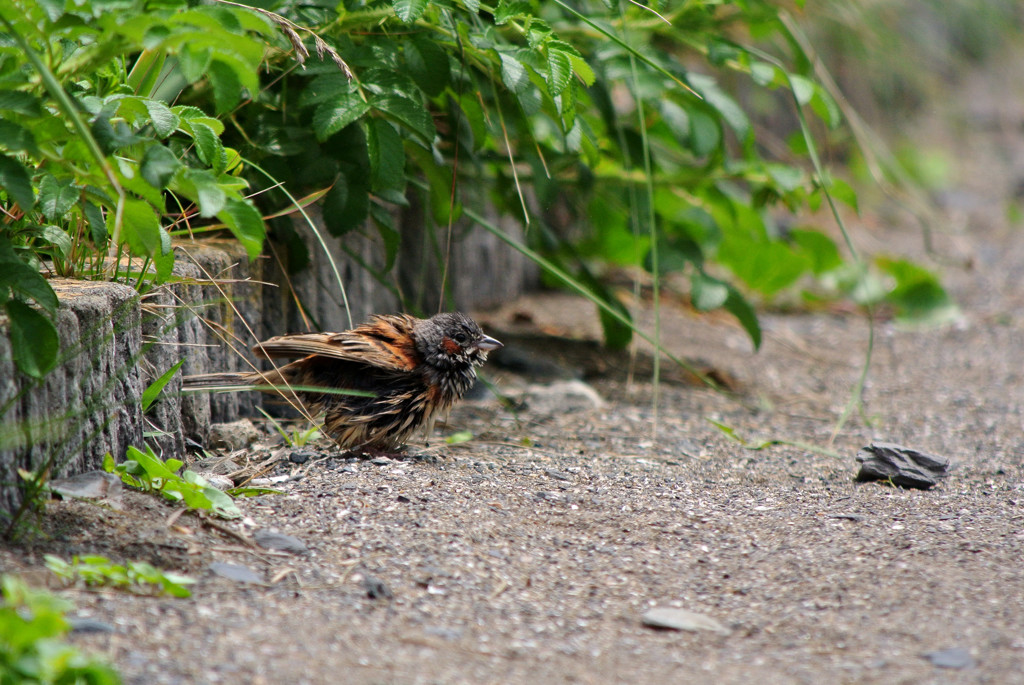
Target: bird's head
{"points": [[453, 341]]}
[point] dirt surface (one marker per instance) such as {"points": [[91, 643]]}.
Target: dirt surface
{"points": [[532, 552]]}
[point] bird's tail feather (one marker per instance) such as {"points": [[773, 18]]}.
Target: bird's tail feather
{"points": [[222, 382]]}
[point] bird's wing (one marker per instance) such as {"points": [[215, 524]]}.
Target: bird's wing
{"points": [[385, 342]]}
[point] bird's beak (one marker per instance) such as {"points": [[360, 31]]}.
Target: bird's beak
{"points": [[487, 344]]}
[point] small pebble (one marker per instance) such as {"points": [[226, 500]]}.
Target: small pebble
{"points": [[954, 657], [680, 619], [236, 572], [268, 539]]}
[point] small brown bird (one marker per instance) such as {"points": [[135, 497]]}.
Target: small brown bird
{"points": [[412, 369]]}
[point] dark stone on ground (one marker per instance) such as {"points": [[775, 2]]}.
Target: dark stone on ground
{"points": [[84, 624], [301, 456], [376, 588], [904, 466]]}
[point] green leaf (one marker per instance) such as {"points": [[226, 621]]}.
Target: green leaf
{"points": [[15, 179], [159, 165], [17, 138], [152, 392], [334, 115], [346, 206], [707, 293], [208, 145], [34, 339], [727, 107], [226, 84], [140, 227], [97, 224], [803, 88], [559, 71], [513, 73], [507, 11], [705, 135], [409, 10], [821, 249], [428, 65], [246, 224], [582, 69], [918, 297], [27, 282], [409, 113], [57, 237], [21, 102], [56, 197], [194, 62], [201, 186], [738, 306], [165, 122], [387, 156]]}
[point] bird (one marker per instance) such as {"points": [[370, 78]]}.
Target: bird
{"points": [[395, 373]]}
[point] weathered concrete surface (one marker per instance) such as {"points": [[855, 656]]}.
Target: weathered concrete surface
{"points": [[89, 405], [114, 344]]}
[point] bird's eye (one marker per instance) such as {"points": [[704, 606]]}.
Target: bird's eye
{"points": [[461, 338]]}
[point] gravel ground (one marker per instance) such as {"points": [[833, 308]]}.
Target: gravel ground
{"points": [[532, 552]]}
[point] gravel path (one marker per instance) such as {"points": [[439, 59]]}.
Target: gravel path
{"points": [[533, 552]]}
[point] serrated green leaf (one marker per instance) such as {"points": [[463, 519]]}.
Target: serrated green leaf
{"points": [[411, 114], [559, 71], [56, 196], [226, 84], [158, 166], [208, 145], [57, 237], [409, 10], [194, 61], [387, 156], [24, 280], [21, 102], [246, 223], [428, 65], [513, 73], [17, 138], [334, 115], [582, 69], [346, 205], [34, 339], [507, 11], [15, 180]]}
